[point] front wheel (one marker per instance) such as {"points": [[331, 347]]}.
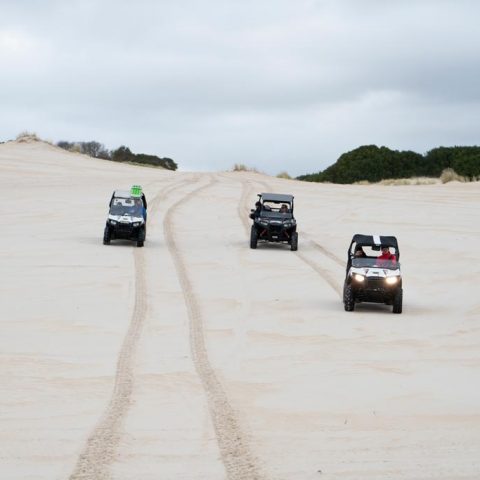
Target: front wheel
{"points": [[107, 235], [398, 301], [348, 298], [294, 242], [253, 237]]}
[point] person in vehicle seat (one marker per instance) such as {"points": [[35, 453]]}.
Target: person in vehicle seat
{"points": [[256, 212], [359, 253], [283, 209], [386, 255], [140, 207]]}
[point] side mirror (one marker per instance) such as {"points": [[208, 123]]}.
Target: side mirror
{"points": [[252, 210]]}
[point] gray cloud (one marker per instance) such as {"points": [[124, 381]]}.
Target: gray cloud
{"points": [[279, 85]]}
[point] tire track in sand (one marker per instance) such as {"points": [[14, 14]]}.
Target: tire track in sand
{"points": [[99, 453], [234, 449]]}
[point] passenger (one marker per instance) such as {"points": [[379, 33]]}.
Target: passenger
{"points": [[283, 209], [140, 207], [386, 256]]}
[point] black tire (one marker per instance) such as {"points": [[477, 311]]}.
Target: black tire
{"points": [[294, 242], [348, 298], [107, 235], [398, 301], [139, 243], [253, 237]]}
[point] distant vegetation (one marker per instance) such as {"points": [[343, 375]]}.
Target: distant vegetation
{"points": [[374, 164], [98, 150], [284, 175], [121, 154], [27, 136], [240, 167]]}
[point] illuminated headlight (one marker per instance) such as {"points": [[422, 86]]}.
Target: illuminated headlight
{"points": [[391, 280], [358, 278]]}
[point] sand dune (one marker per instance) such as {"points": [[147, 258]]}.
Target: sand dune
{"points": [[198, 358]]}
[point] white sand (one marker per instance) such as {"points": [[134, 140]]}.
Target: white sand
{"points": [[198, 358]]}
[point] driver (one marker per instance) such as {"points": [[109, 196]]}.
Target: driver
{"points": [[359, 253]]}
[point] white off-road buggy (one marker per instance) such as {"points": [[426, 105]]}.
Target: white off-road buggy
{"points": [[372, 276]]}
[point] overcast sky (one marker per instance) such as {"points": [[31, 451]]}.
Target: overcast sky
{"points": [[274, 84]]}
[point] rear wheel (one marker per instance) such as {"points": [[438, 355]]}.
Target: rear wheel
{"points": [[348, 298], [253, 237], [398, 301], [294, 242]]}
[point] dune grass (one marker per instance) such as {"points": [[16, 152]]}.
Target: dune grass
{"points": [[449, 175], [240, 167], [26, 136], [284, 175]]}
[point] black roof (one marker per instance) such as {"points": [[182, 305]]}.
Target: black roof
{"points": [[370, 240], [276, 197]]}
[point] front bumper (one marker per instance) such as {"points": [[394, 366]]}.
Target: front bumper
{"points": [[375, 289], [274, 232]]}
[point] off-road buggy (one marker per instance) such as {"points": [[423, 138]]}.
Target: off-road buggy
{"points": [[273, 220], [127, 216], [371, 278]]}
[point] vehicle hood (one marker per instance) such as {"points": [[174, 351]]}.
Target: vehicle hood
{"points": [[376, 272], [125, 218]]}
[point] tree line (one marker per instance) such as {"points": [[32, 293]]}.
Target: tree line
{"points": [[121, 154], [373, 164]]}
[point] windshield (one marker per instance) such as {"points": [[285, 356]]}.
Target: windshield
{"points": [[277, 215], [126, 206], [375, 262], [276, 210]]}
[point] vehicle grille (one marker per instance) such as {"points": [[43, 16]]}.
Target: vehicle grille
{"points": [[124, 228], [376, 283]]}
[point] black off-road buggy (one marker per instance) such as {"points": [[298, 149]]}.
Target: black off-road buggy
{"points": [[370, 278], [127, 216], [273, 220]]}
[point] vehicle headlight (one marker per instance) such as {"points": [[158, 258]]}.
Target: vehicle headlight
{"points": [[136, 224], [358, 278], [391, 280], [113, 222], [264, 222]]}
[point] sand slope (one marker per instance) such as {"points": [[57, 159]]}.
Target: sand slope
{"points": [[198, 358]]}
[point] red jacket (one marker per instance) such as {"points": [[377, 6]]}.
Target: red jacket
{"points": [[387, 256]]}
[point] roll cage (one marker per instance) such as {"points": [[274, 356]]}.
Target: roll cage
{"points": [[375, 242], [271, 203]]}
